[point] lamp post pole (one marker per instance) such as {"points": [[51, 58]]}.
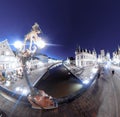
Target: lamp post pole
{"points": [[24, 60], [23, 56]]}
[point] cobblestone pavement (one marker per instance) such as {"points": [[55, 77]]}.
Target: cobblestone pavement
{"points": [[111, 93], [85, 106]]}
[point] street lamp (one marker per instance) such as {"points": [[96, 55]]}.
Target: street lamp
{"points": [[18, 44], [40, 44], [25, 54]]}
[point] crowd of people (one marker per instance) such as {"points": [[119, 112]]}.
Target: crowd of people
{"points": [[12, 76]]}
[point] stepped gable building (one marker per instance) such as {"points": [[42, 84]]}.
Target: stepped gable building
{"points": [[108, 58], [116, 56], [102, 57], [84, 57], [7, 57]]}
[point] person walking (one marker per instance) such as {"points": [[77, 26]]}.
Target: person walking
{"points": [[113, 72]]}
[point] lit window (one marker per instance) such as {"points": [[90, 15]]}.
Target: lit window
{"points": [[7, 53]]}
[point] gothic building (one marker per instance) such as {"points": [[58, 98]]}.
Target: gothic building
{"points": [[116, 56], [84, 57], [102, 57], [108, 56]]}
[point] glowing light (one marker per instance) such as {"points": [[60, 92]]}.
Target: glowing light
{"points": [[18, 44], [49, 44], [91, 77], [99, 60], [7, 83], [94, 70], [17, 88], [77, 86], [24, 91], [85, 81], [21, 90], [41, 63], [7, 53], [41, 44]]}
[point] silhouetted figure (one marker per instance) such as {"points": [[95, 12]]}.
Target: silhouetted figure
{"points": [[113, 72], [98, 75]]}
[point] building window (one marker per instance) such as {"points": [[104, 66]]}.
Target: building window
{"points": [[81, 56], [2, 53], [3, 45]]}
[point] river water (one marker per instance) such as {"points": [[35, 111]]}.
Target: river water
{"points": [[59, 82]]}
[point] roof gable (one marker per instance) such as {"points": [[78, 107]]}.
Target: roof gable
{"points": [[5, 49]]}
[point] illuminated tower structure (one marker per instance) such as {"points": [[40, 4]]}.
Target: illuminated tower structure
{"points": [[102, 53], [116, 57], [84, 57], [108, 56], [7, 57], [102, 57]]}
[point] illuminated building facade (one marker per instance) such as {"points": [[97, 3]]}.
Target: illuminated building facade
{"points": [[108, 58], [116, 57], [85, 57], [102, 57], [7, 57], [37, 62]]}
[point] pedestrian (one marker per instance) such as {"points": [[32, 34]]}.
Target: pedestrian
{"points": [[98, 75], [3, 73], [113, 72]]}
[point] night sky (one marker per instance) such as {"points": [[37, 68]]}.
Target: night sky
{"points": [[64, 23]]}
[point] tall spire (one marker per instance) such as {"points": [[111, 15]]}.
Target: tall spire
{"points": [[94, 50], [118, 47], [79, 48]]}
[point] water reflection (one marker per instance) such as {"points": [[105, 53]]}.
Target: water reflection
{"points": [[59, 83]]}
